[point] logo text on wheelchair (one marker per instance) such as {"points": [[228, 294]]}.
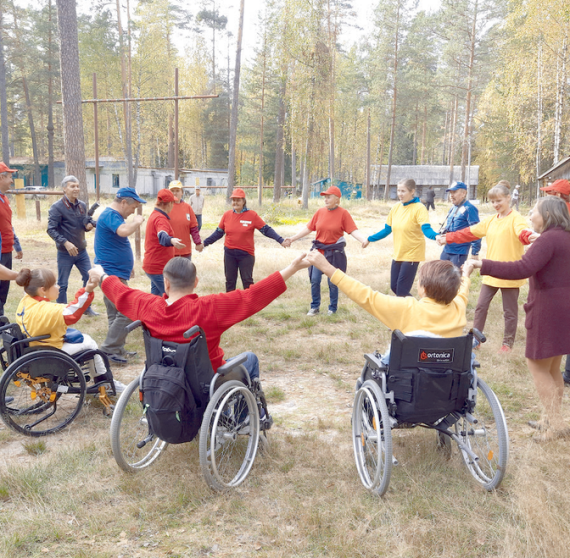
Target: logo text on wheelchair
{"points": [[441, 355]]}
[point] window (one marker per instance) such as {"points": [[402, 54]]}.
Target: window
{"points": [[210, 182], [116, 181]]}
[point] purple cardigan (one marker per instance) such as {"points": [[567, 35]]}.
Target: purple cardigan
{"points": [[547, 264]]}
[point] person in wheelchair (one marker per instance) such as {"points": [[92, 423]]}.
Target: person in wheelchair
{"points": [[37, 315], [169, 316], [441, 309]]}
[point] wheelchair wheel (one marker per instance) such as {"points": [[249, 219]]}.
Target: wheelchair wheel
{"points": [[487, 438], [134, 447], [41, 393], [229, 436], [372, 437]]}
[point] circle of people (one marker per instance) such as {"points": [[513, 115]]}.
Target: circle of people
{"points": [[172, 306]]}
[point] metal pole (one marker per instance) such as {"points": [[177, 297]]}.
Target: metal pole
{"points": [[96, 126], [176, 124]]}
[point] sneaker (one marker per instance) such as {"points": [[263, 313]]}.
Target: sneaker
{"points": [[119, 387], [313, 312], [116, 359], [331, 312], [505, 349], [566, 377], [90, 312]]}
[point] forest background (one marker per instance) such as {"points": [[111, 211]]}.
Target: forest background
{"points": [[469, 80]]}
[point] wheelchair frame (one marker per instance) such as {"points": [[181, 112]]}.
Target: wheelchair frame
{"points": [[42, 389], [479, 429], [229, 436]]}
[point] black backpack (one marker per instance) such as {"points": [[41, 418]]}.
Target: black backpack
{"points": [[175, 387]]}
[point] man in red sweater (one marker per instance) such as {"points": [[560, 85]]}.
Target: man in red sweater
{"points": [[169, 316]]}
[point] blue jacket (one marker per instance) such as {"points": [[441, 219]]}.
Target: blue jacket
{"points": [[461, 217]]}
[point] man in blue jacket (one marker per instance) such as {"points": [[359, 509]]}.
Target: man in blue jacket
{"points": [[461, 215], [67, 223]]}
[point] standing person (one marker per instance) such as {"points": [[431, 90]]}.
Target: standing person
{"points": [[547, 263], [430, 198], [184, 222], [197, 205], [559, 188], [330, 223], [114, 253], [507, 234], [239, 224], [409, 220], [159, 241], [515, 197], [67, 223], [8, 239], [462, 214]]}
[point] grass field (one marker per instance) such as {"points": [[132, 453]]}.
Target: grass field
{"points": [[65, 496]]}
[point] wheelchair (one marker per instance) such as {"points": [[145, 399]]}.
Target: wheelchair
{"points": [[229, 403], [432, 383], [42, 389]]}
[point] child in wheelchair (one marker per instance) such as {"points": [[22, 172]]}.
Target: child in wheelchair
{"points": [[37, 315]]}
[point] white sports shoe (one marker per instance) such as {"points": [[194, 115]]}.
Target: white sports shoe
{"points": [[119, 386], [313, 312]]}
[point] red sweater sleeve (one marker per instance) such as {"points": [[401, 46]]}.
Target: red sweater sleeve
{"points": [[237, 306], [75, 309], [458, 237], [128, 301]]}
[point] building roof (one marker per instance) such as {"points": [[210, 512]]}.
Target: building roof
{"points": [[424, 175], [557, 169]]}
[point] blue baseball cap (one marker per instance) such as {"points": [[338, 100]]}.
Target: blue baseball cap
{"points": [[457, 186], [129, 193]]}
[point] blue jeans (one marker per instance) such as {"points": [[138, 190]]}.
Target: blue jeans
{"points": [[156, 283], [65, 264], [456, 259], [402, 277], [251, 364], [199, 219], [316, 276]]}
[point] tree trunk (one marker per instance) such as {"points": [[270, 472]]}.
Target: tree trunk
{"points": [[3, 98], [260, 177], [235, 101], [73, 138], [538, 117], [394, 104], [279, 144], [50, 127], [560, 98], [368, 188], [452, 140]]}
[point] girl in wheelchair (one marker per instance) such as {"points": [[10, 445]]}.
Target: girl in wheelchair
{"points": [[38, 315], [441, 309]]}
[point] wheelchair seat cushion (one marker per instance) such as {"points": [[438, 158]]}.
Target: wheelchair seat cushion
{"points": [[425, 395]]}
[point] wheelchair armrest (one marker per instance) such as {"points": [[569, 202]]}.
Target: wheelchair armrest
{"points": [[374, 361], [30, 339], [133, 326], [229, 366], [193, 331], [479, 335]]}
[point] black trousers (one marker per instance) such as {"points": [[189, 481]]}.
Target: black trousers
{"points": [[5, 260], [235, 260]]}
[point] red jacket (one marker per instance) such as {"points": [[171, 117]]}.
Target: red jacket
{"points": [[156, 256], [213, 313], [6, 230]]}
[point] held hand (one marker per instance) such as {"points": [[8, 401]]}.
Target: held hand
{"points": [[89, 227], [467, 269], [533, 237], [19, 255], [440, 239], [475, 257], [199, 247], [96, 272], [286, 243], [473, 264], [177, 244], [300, 262], [92, 283], [71, 248], [314, 257], [365, 243]]}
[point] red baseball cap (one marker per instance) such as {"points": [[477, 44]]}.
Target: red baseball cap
{"points": [[4, 168], [562, 186], [165, 196], [332, 191], [238, 193]]}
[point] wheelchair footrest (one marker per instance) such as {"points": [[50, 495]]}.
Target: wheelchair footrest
{"points": [[266, 423]]}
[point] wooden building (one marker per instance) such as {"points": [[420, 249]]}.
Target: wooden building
{"points": [[559, 170], [437, 176]]}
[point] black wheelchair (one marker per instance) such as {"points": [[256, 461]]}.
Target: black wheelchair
{"points": [[42, 389], [233, 418], [432, 383]]}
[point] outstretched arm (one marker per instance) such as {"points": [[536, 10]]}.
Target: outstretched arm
{"points": [[303, 232], [387, 230]]}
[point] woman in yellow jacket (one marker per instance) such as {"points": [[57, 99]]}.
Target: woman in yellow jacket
{"points": [[507, 233]]}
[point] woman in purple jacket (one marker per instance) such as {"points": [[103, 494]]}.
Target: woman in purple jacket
{"points": [[547, 263]]}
